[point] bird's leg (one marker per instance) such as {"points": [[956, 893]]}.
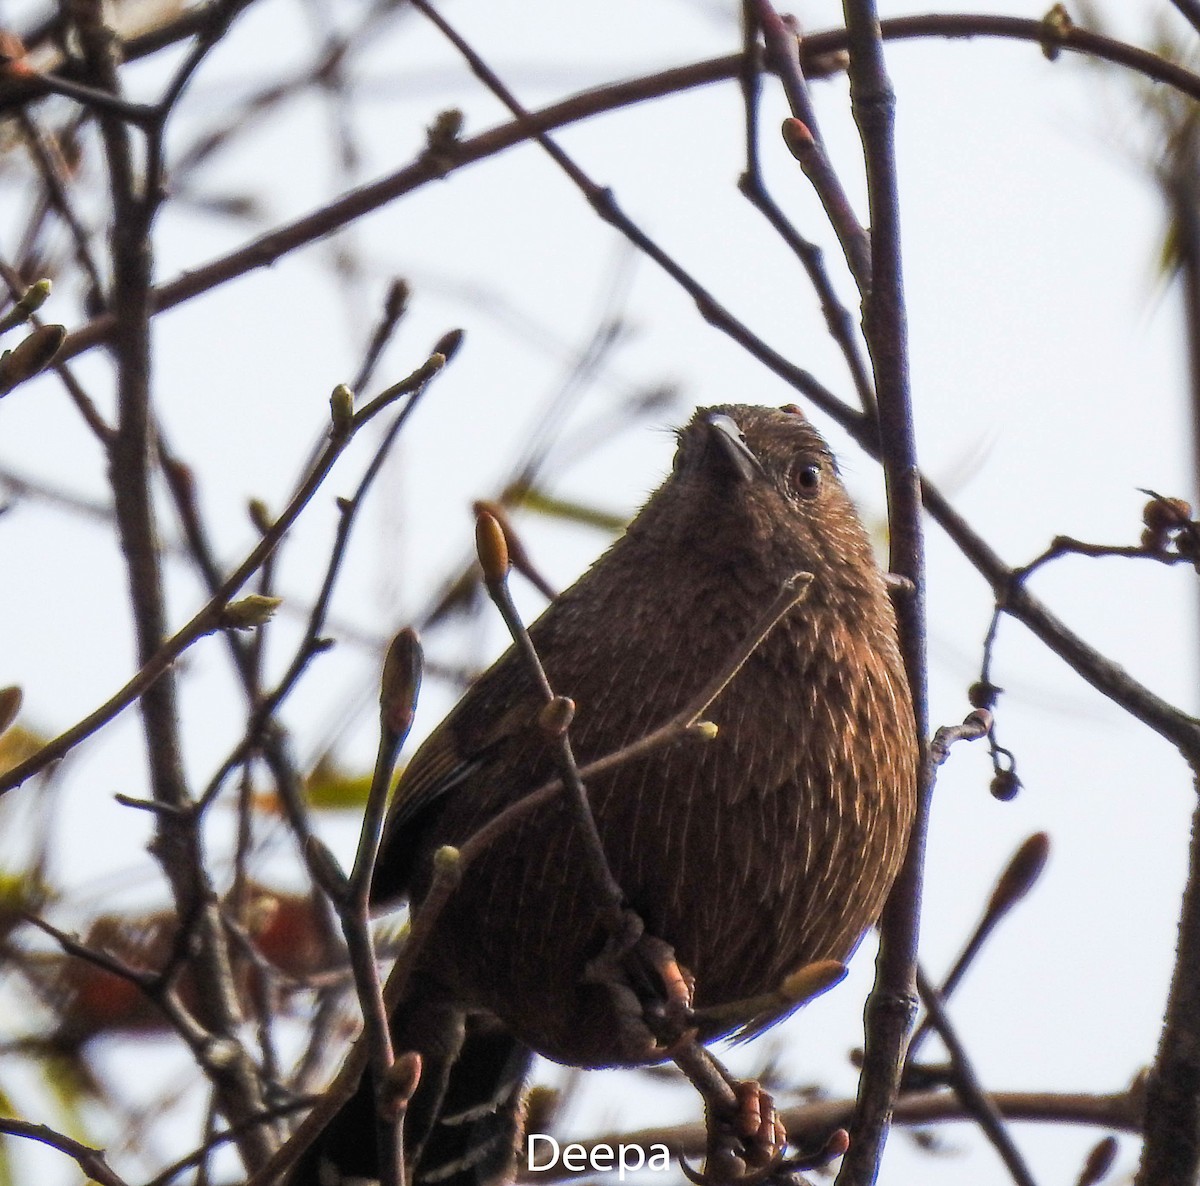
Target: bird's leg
{"points": [[651, 993], [746, 1142]]}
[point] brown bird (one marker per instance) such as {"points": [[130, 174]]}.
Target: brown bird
{"points": [[767, 848]]}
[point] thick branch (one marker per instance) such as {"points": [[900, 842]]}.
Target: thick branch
{"points": [[892, 1004], [1171, 1151]]}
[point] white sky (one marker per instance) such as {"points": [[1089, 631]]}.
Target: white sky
{"points": [[1049, 385]]}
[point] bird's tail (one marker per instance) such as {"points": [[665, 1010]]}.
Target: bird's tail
{"points": [[464, 1123], [475, 1138]]}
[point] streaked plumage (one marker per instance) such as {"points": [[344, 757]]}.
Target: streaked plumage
{"points": [[772, 846]]}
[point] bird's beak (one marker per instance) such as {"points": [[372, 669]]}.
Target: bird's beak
{"points": [[732, 447]]}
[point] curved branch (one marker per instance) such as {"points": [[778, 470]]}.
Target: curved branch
{"points": [[429, 167]]}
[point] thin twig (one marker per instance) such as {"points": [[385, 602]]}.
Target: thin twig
{"points": [[310, 644], [326, 1107], [1108, 678], [23, 485], [103, 103], [783, 53], [218, 16], [1190, 11], [752, 186], [1065, 545], [494, 558], [48, 160], [395, 304], [99, 427], [975, 725], [137, 190], [1017, 879], [1171, 1150], [812, 258], [351, 895], [90, 1160], [218, 1139], [967, 1087], [102, 960], [810, 1124], [208, 617]]}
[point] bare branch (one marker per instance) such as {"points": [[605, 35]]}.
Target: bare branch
{"points": [[206, 619], [90, 1160]]}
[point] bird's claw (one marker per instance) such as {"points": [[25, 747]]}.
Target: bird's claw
{"points": [[650, 991], [745, 1143], [673, 1012], [758, 1125]]}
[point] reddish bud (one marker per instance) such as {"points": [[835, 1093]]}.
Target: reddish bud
{"points": [[1099, 1162], [449, 343], [28, 357], [10, 705], [798, 138], [401, 1082], [1021, 873], [401, 682]]}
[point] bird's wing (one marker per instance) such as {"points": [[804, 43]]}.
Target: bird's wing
{"points": [[498, 709], [438, 767]]}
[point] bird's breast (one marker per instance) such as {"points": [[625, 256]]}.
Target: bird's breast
{"points": [[765, 848]]}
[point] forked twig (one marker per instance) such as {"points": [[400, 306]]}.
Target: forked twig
{"points": [[208, 617]]}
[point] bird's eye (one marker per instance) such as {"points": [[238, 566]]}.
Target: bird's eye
{"points": [[806, 478]]}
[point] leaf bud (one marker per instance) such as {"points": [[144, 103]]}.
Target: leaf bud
{"points": [[251, 611], [811, 981], [492, 548], [1021, 873], [341, 409], [30, 356], [401, 682], [555, 716], [10, 705]]}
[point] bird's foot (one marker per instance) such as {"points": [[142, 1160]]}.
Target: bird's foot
{"points": [[747, 1144], [651, 992], [747, 1139], [670, 1007]]}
